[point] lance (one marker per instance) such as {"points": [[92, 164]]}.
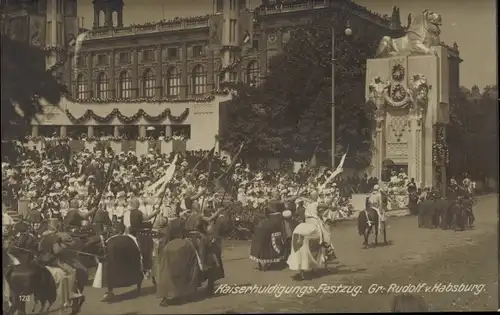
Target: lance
{"points": [[106, 183]]}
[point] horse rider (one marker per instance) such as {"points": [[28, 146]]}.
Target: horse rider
{"points": [[377, 202], [196, 228], [35, 218], [101, 221], [135, 220], [313, 217], [54, 253], [74, 217]]}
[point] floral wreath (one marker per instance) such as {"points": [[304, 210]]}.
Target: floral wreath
{"points": [[398, 89], [398, 73]]}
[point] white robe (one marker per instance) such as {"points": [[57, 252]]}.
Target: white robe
{"points": [[312, 217]]}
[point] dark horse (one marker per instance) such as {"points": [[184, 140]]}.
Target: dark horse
{"points": [[31, 277], [368, 220]]}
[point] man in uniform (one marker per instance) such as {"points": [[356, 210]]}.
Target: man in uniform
{"points": [[53, 249]]}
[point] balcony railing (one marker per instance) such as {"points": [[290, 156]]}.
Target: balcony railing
{"points": [[162, 26]]}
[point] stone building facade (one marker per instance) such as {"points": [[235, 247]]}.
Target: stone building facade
{"points": [[184, 60]]}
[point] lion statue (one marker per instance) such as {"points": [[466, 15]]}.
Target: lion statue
{"points": [[422, 34]]}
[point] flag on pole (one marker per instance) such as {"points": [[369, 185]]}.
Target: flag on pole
{"points": [[233, 162], [247, 37], [160, 184], [337, 171], [207, 156]]}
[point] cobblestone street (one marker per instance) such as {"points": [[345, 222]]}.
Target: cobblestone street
{"points": [[415, 256]]}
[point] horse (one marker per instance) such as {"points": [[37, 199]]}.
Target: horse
{"points": [[368, 220], [31, 277], [307, 253], [462, 213]]}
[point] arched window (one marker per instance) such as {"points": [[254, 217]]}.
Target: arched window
{"points": [[148, 83], [253, 73], [102, 86], [199, 78], [81, 87], [114, 18], [173, 82], [124, 85], [102, 18]]}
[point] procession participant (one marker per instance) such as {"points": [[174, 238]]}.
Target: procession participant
{"points": [[101, 221], [377, 202], [35, 218], [134, 221], [312, 213], [120, 205], [196, 228], [54, 253], [74, 217]]}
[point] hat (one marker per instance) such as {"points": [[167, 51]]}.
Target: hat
{"points": [[120, 194], [109, 194], [376, 188], [287, 214]]}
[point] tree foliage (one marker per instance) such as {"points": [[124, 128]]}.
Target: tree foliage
{"points": [[290, 113], [23, 78], [473, 132]]}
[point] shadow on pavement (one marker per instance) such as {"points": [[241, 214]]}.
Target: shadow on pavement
{"points": [[145, 291], [373, 245]]}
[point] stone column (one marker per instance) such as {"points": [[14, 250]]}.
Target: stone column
{"points": [[168, 131], [412, 150], [142, 131], [90, 79], [111, 74], [90, 131], [116, 131], [135, 78], [379, 145], [35, 130], [419, 152], [63, 131], [158, 88], [184, 88]]}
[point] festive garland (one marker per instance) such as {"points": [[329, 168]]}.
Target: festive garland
{"points": [[233, 65], [440, 152], [125, 119], [397, 102], [97, 100]]}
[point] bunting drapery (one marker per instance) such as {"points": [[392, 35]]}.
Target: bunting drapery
{"points": [[89, 114]]}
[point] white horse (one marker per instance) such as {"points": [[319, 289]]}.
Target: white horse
{"points": [[308, 253]]}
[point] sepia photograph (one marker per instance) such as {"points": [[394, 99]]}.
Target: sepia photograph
{"points": [[249, 156]]}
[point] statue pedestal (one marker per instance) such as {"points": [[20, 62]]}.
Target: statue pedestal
{"points": [[411, 96]]}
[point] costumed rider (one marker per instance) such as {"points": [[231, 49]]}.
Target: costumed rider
{"points": [[196, 226], [75, 218], [313, 216], [134, 221], [35, 218], [54, 253], [101, 221], [377, 202]]}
